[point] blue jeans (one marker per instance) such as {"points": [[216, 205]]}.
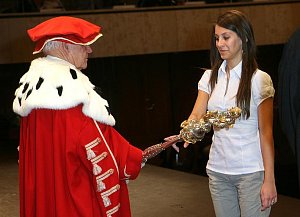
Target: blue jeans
{"points": [[237, 195]]}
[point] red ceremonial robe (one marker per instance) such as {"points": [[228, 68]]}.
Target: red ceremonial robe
{"points": [[73, 163]]}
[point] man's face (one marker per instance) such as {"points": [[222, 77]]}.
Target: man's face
{"points": [[78, 55]]}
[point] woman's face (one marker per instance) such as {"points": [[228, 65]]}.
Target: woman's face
{"points": [[78, 55], [229, 45]]}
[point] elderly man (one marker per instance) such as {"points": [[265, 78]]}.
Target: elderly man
{"points": [[73, 163]]}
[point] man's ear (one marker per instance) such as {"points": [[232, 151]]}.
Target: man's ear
{"points": [[65, 46]]}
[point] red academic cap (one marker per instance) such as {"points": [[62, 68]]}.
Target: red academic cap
{"points": [[68, 29]]}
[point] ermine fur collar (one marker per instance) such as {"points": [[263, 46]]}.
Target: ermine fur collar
{"points": [[52, 83]]}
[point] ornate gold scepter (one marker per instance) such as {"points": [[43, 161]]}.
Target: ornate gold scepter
{"points": [[194, 130]]}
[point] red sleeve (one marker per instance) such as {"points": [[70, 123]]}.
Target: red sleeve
{"points": [[128, 157]]}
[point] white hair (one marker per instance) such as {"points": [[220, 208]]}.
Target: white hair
{"points": [[51, 45]]}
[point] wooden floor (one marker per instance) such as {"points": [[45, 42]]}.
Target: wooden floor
{"points": [[157, 192]]}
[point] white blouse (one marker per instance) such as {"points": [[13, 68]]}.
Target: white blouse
{"points": [[236, 150]]}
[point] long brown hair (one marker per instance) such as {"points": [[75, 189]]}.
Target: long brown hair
{"points": [[237, 22]]}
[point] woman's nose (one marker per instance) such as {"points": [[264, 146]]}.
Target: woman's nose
{"points": [[219, 43]]}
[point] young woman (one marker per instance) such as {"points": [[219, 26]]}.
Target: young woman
{"points": [[241, 159]]}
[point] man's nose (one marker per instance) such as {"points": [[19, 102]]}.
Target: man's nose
{"points": [[89, 49]]}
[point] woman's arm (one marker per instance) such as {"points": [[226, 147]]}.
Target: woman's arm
{"points": [[265, 124], [199, 109]]}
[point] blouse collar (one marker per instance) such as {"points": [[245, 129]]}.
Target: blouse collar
{"points": [[236, 70]]}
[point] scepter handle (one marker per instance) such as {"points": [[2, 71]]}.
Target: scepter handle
{"points": [[154, 150]]}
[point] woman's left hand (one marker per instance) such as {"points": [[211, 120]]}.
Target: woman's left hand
{"points": [[268, 195]]}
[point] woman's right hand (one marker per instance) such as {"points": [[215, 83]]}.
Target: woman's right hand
{"points": [[175, 137], [171, 138]]}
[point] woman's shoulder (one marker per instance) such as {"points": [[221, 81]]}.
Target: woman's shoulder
{"points": [[260, 77], [205, 76], [262, 84], [261, 74], [207, 73]]}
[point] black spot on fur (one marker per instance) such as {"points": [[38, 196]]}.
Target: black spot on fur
{"points": [[38, 85], [20, 84], [59, 90], [20, 100], [25, 87], [73, 73], [108, 110], [28, 93]]}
